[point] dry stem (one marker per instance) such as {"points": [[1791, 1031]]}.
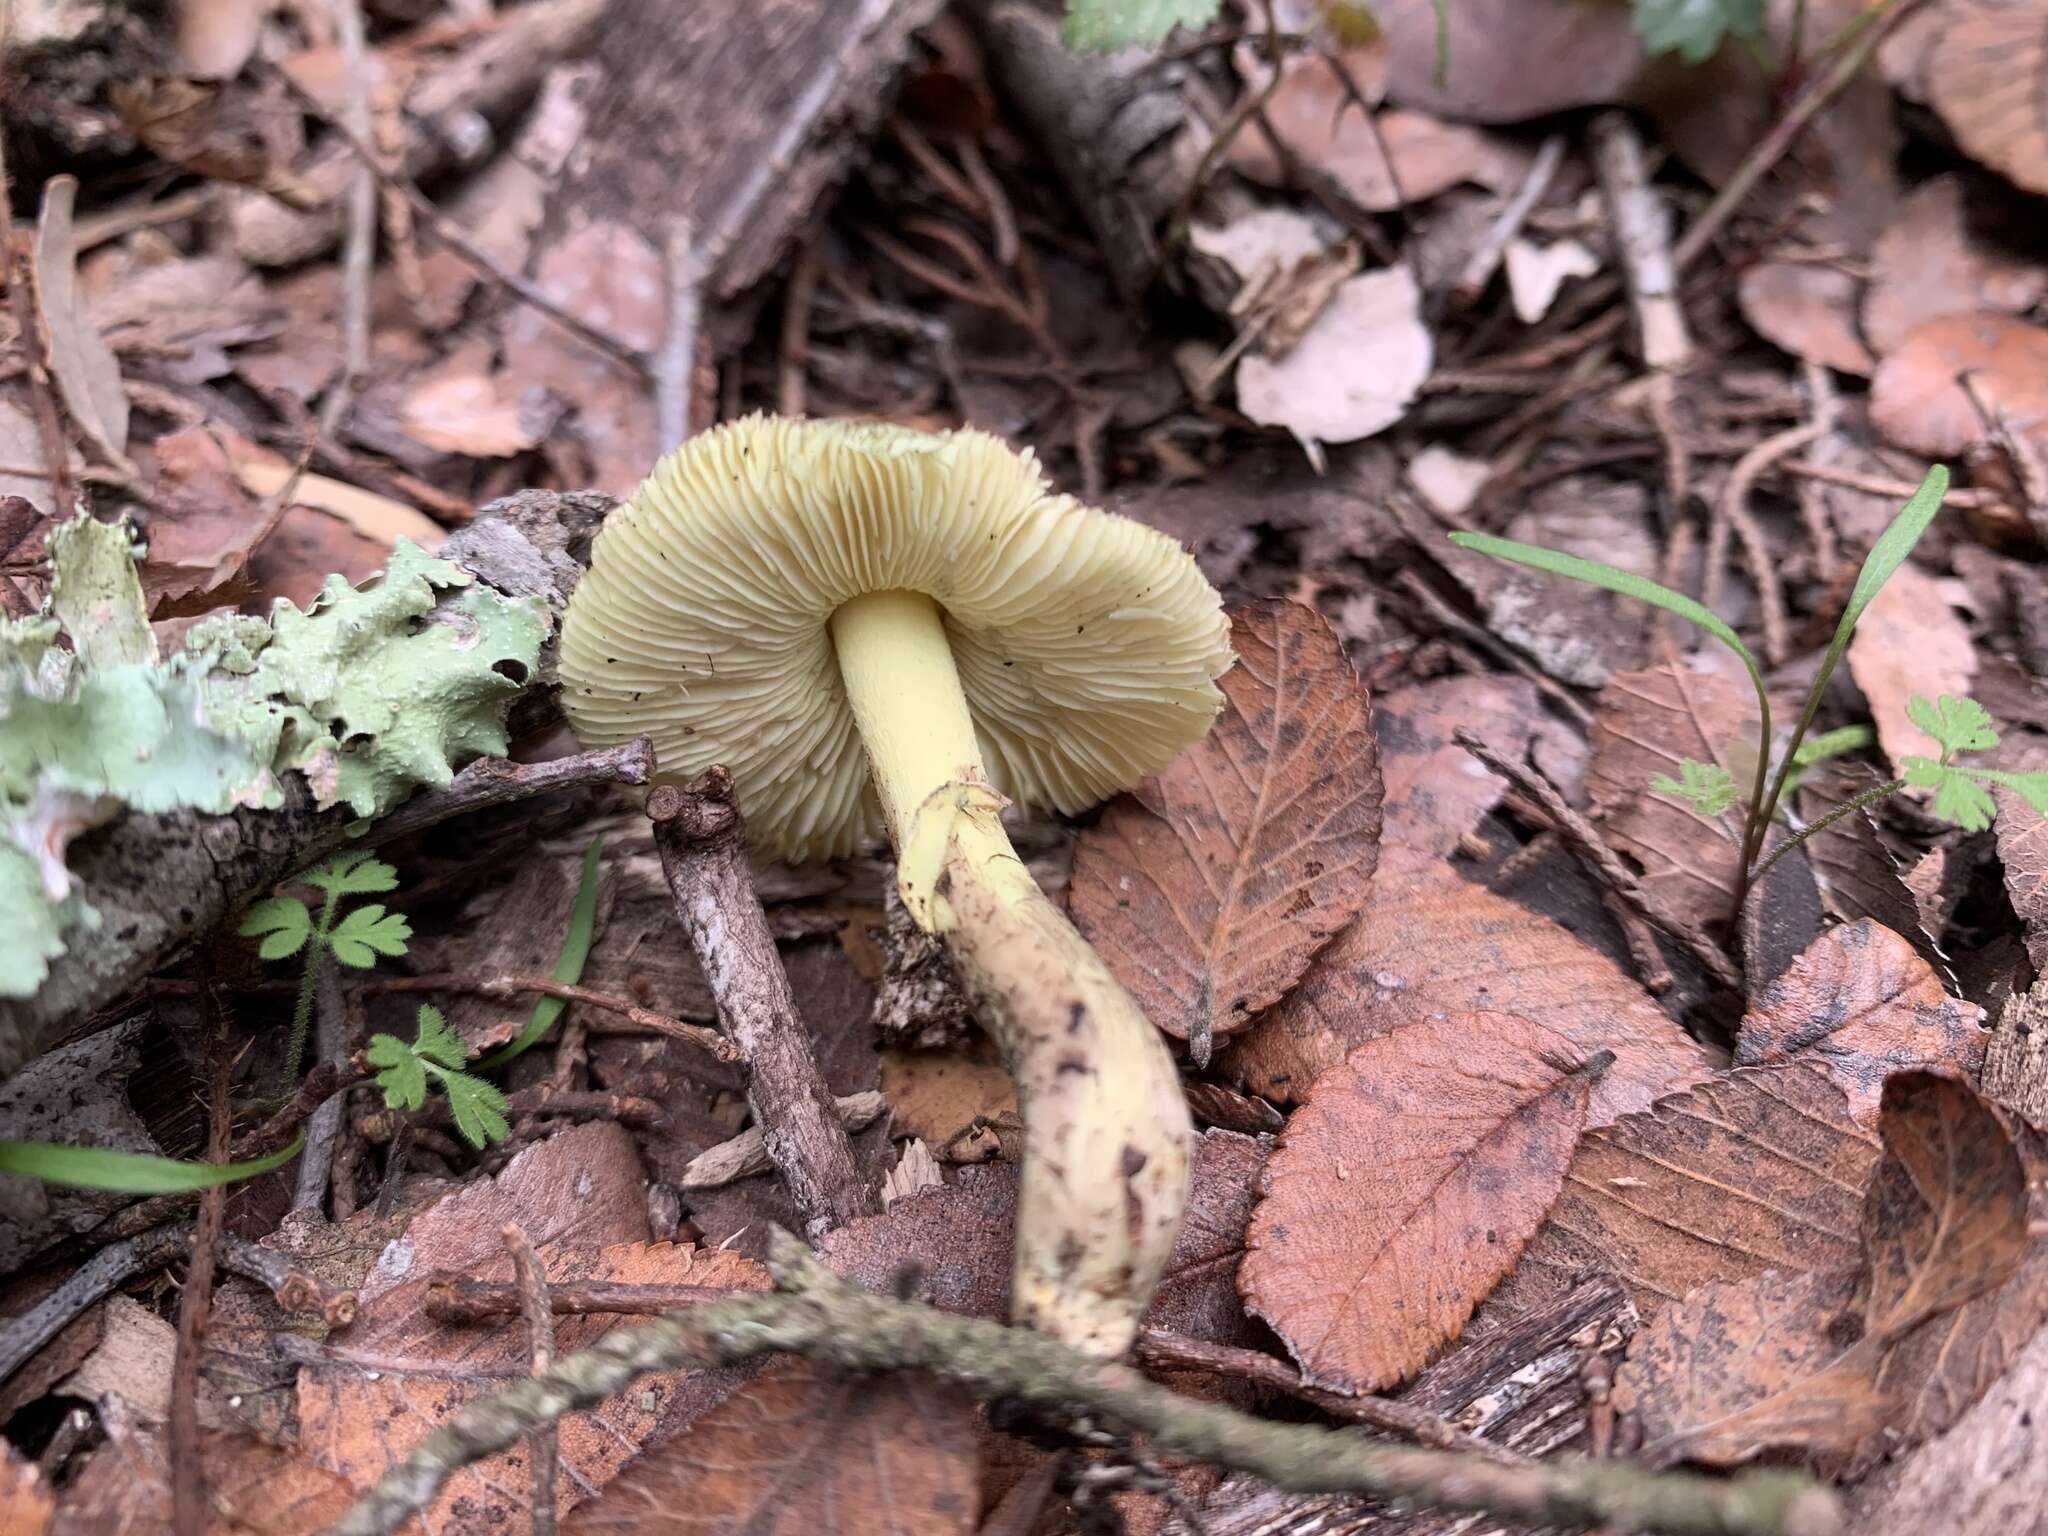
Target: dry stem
{"points": [[822, 1317]]}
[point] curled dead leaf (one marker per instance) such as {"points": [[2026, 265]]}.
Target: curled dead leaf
{"points": [[1404, 1187], [1430, 944], [1807, 309], [1211, 888], [1928, 264], [1863, 1003], [1987, 77]]}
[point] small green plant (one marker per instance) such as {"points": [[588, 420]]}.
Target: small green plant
{"points": [[438, 1052], [286, 926], [1957, 725]]}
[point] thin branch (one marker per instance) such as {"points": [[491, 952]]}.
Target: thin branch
{"points": [[451, 234], [1485, 258], [494, 781], [195, 1303], [545, 1453], [113, 1265], [1603, 862], [822, 1317], [1846, 808], [697, 832], [359, 240], [708, 1040], [675, 363]]}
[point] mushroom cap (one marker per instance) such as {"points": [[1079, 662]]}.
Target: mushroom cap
{"points": [[1087, 644]]}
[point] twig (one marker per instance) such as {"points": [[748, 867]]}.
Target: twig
{"points": [[324, 1124], [113, 223], [795, 341], [450, 234], [697, 832], [821, 1317], [1600, 860], [1663, 410], [188, 1472], [495, 781], [1485, 258], [1961, 497], [1877, 25], [1165, 1350], [532, 1286], [1642, 239], [111, 1266], [296, 1290], [747, 1153], [1733, 513], [453, 1297], [359, 239], [382, 1124], [708, 1040], [1654, 974], [675, 363], [1485, 640]]}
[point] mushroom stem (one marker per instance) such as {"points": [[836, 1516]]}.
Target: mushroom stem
{"points": [[1106, 1125]]}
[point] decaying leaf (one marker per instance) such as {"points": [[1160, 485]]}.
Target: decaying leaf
{"points": [[1807, 309], [1909, 640], [1761, 1168], [2023, 854], [1745, 1367], [937, 1095], [1864, 1004], [1404, 1187], [1209, 890], [26, 1505], [1987, 76], [253, 1488], [1592, 53], [472, 412], [1855, 868], [1432, 944], [1649, 724], [203, 527], [580, 1198], [1844, 1363], [1919, 398], [1928, 264], [1321, 128], [1355, 370], [1436, 791], [804, 1449], [81, 362]]}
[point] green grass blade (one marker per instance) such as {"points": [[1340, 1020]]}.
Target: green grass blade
{"points": [[568, 969], [129, 1173], [1627, 583], [1885, 557]]}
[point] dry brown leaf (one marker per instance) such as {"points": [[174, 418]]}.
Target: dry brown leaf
{"points": [[1436, 791], [580, 1197], [1745, 1367], [1909, 640], [203, 526], [1760, 1168], [1647, 722], [253, 1488], [1847, 1363], [1864, 1004], [805, 1450], [1403, 1189], [216, 37], [1928, 264], [962, 1236], [1988, 77], [1807, 309], [265, 474], [26, 1504], [303, 549], [608, 276], [1311, 114], [1210, 889], [1589, 52], [1918, 399], [182, 313], [473, 413], [936, 1095], [80, 360], [2023, 850], [1854, 867], [1353, 373], [1431, 943]]}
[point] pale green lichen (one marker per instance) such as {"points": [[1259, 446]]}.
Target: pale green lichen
{"points": [[360, 692]]}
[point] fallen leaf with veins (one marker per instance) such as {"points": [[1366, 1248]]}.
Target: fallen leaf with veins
{"points": [[802, 1449], [1436, 791], [1404, 1187], [1862, 1003], [1760, 1168], [1431, 943], [1210, 888], [1910, 640], [1647, 723]]}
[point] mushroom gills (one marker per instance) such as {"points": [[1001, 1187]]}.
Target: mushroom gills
{"points": [[1106, 1126]]}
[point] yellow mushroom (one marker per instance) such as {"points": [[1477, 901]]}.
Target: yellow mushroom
{"points": [[887, 632]]}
